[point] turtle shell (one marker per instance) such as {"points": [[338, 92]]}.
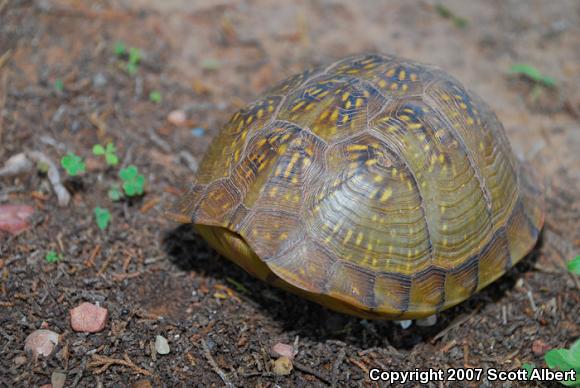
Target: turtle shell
{"points": [[376, 186]]}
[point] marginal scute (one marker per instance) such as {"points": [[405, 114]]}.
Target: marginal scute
{"points": [[376, 186]]}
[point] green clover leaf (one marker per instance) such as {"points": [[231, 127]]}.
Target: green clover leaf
{"points": [[102, 216], [73, 164], [52, 257], [133, 182], [574, 266], [115, 193], [98, 150], [565, 360]]}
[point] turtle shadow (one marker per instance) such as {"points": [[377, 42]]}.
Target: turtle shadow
{"points": [[188, 251]]}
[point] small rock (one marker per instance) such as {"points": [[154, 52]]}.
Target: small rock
{"points": [[141, 384], [161, 345], [405, 324], [19, 360], [46, 386], [283, 350], [14, 218], [177, 118], [99, 80], [88, 318], [41, 342], [282, 366], [57, 379], [426, 322], [539, 347], [198, 132]]}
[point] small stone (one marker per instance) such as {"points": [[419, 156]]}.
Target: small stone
{"points": [[88, 318], [539, 347], [405, 324], [14, 218], [283, 350], [41, 342], [198, 132], [143, 383], [161, 345], [426, 322], [46, 386], [177, 118], [19, 360], [57, 379], [282, 366], [99, 80]]}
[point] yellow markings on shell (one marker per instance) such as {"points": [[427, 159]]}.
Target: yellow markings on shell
{"points": [[309, 106], [337, 227], [345, 96], [394, 86], [374, 217], [298, 106], [481, 146], [347, 237], [324, 115], [405, 118], [442, 209], [402, 75], [426, 147], [470, 121], [283, 236], [405, 87], [358, 103], [463, 105], [348, 104], [291, 164], [359, 238], [273, 191], [446, 97], [334, 115], [413, 77], [383, 83], [444, 227], [416, 126], [270, 108], [390, 72], [378, 178], [444, 242], [260, 113], [386, 194], [394, 172], [356, 147]]}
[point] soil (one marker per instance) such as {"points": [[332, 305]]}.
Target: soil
{"points": [[208, 58]]}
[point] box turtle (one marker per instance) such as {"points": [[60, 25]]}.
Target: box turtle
{"points": [[375, 186]]}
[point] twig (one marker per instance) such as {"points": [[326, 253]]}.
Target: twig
{"points": [[214, 365], [310, 371], [337, 364], [456, 323], [531, 299], [104, 362], [158, 141], [191, 162]]}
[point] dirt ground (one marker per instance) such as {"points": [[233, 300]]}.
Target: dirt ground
{"points": [[208, 58]]}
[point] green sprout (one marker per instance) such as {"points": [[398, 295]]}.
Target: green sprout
{"points": [[565, 360], [155, 96], [119, 49], [446, 13], [58, 85], [115, 193], [133, 182], [533, 74], [574, 265], [52, 257], [73, 164], [109, 152], [134, 59], [102, 216]]}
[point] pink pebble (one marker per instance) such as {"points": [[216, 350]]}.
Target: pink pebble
{"points": [[14, 218], [177, 117], [41, 342], [88, 318], [283, 350]]}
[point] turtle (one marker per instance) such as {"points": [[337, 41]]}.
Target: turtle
{"points": [[376, 186]]}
